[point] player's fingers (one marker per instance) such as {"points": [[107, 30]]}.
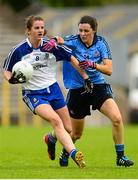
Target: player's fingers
{"points": [[83, 66], [47, 47], [14, 73]]}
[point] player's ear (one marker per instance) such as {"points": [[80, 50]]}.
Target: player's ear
{"points": [[45, 32]]}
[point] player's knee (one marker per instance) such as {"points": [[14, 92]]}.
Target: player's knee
{"points": [[56, 122], [76, 136], [117, 120], [69, 130]]}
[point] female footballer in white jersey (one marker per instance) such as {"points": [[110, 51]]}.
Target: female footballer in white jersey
{"points": [[42, 93]]}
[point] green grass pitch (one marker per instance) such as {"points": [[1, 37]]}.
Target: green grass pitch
{"points": [[23, 155]]}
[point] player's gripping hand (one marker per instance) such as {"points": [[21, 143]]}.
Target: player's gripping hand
{"points": [[20, 78], [88, 86], [49, 45], [87, 63]]}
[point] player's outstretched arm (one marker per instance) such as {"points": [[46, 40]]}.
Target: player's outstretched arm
{"points": [[65, 54], [59, 40], [48, 46], [75, 64], [87, 82]]}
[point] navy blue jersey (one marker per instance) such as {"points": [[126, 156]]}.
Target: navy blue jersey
{"points": [[97, 52]]}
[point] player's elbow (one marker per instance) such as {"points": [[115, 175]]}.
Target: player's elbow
{"points": [[109, 71]]}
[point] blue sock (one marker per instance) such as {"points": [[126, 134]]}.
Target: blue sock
{"points": [[72, 153], [119, 150], [51, 138]]}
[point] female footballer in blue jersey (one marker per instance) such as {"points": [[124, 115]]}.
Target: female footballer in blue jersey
{"points": [[94, 56], [42, 93]]}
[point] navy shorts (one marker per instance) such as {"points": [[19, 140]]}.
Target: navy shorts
{"points": [[51, 95], [79, 103]]}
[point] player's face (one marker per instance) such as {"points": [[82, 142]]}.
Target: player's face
{"points": [[37, 30], [86, 33]]}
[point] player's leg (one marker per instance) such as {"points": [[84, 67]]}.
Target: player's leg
{"points": [[111, 110], [65, 117], [78, 109], [77, 130], [50, 139], [46, 112], [32, 100], [59, 105]]}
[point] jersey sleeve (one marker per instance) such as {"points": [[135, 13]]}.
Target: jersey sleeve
{"points": [[69, 41], [62, 53], [12, 58], [105, 50]]}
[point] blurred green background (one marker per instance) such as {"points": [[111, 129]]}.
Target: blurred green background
{"points": [[68, 3]]}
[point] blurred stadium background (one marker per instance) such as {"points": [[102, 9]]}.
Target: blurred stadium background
{"points": [[118, 22]]}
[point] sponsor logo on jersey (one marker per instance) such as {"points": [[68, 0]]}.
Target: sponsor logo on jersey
{"points": [[46, 55], [96, 54], [40, 66], [35, 100]]}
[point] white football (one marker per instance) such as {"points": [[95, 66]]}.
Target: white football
{"points": [[23, 67]]}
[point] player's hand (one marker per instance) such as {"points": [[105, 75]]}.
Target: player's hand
{"points": [[49, 45], [20, 78], [88, 86], [59, 40], [86, 64]]}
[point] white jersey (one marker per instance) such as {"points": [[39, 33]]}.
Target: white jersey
{"points": [[44, 63]]}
